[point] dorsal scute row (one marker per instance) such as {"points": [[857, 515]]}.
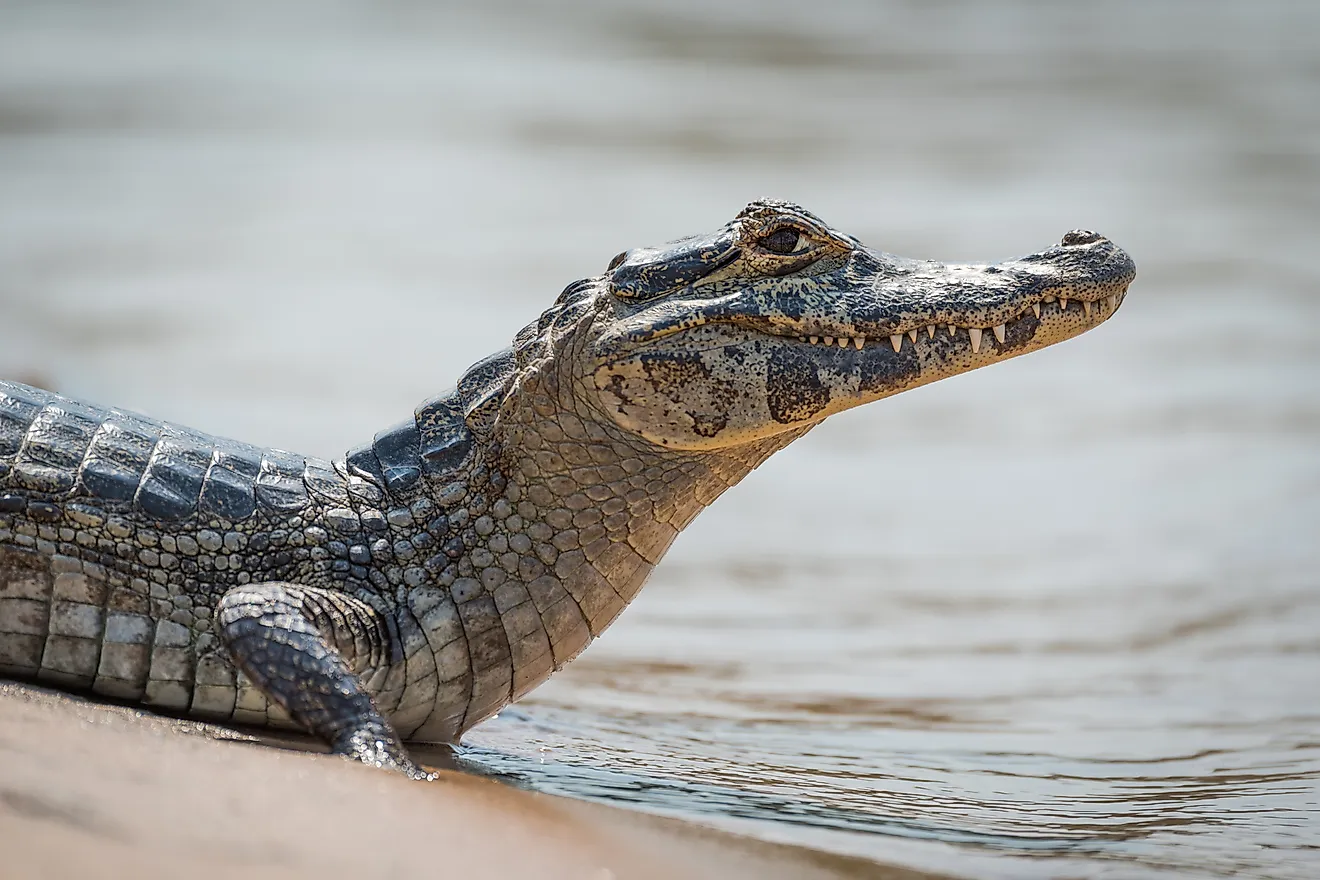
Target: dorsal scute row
{"points": [[61, 449]]}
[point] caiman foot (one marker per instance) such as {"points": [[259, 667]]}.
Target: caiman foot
{"points": [[370, 747], [298, 644]]}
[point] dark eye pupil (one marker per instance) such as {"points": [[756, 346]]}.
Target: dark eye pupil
{"points": [[781, 241]]}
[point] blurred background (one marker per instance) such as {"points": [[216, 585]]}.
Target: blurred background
{"points": [[1059, 618]]}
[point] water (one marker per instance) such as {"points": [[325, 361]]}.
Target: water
{"points": [[1054, 619]]}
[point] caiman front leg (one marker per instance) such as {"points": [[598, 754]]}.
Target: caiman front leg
{"points": [[298, 645]]}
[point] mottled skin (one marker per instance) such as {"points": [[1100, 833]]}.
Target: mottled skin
{"points": [[411, 589]]}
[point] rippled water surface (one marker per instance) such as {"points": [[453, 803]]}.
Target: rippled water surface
{"points": [[1059, 618]]}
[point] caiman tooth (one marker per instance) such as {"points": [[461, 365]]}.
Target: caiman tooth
{"points": [[896, 340], [859, 341], [815, 339], [912, 334], [843, 341], [975, 333], [930, 330], [1035, 307], [953, 331], [1113, 301], [829, 340], [1063, 303], [999, 333], [1086, 307]]}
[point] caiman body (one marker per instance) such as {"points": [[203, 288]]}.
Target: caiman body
{"points": [[414, 587]]}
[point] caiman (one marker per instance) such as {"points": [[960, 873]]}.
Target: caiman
{"points": [[410, 589]]}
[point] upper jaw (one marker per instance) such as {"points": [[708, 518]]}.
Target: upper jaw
{"points": [[878, 299], [908, 297]]}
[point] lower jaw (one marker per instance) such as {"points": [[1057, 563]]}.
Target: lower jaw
{"points": [[893, 366], [1075, 316]]}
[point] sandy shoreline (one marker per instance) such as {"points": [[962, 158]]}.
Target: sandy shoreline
{"points": [[94, 790]]}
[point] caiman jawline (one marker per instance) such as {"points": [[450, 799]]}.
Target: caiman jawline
{"points": [[1100, 310], [1097, 311]]}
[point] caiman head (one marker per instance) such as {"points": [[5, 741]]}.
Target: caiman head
{"points": [[776, 321]]}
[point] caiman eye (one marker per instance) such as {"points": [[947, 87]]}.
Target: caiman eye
{"points": [[785, 240]]}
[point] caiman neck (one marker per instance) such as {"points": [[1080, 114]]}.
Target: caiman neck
{"points": [[596, 485]]}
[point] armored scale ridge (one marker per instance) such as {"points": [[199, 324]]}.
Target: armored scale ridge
{"points": [[414, 587]]}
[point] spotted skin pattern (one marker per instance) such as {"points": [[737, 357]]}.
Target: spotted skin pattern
{"points": [[412, 588]]}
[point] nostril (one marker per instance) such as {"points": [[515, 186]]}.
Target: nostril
{"points": [[614, 263], [1080, 236]]}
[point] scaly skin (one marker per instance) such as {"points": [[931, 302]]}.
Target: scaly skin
{"points": [[413, 588]]}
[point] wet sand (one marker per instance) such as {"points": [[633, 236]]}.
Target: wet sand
{"points": [[89, 790]]}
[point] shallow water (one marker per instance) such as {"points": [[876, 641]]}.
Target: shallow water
{"points": [[1057, 618]]}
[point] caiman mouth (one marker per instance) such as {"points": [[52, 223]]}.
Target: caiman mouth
{"points": [[1010, 303], [1023, 326]]}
